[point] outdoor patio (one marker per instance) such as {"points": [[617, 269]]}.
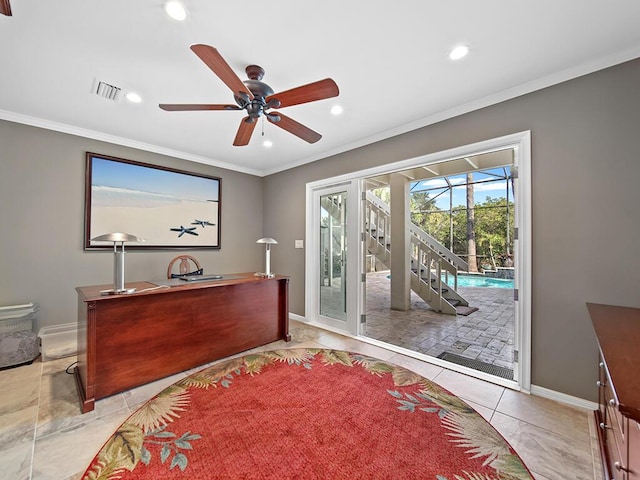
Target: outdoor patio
{"points": [[485, 337]]}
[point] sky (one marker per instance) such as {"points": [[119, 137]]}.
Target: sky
{"points": [[109, 173], [494, 189]]}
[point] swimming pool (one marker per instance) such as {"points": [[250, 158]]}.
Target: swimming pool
{"points": [[483, 282]]}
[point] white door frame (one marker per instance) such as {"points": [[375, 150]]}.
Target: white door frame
{"points": [[521, 143], [312, 258]]}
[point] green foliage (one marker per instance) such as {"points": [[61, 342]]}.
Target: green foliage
{"points": [[490, 226], [170, 446]]}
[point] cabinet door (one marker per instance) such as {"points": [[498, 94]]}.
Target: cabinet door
{"points": [[633, 444], [602, 383]]}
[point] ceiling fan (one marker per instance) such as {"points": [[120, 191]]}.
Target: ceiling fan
{"points": [[256, 97], [5, 7]]}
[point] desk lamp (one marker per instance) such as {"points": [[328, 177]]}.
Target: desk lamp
{"points": [[267, 269], [118, 261]]}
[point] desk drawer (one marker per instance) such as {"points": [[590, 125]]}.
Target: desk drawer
{"points": [[613, 417], [616, 458]]}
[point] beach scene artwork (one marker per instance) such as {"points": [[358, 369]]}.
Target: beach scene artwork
{"points": [[166, 208]]}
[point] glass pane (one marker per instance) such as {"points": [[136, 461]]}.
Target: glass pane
{"points": [[333, 255]]}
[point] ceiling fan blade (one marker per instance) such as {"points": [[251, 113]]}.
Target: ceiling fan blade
{"points": [[244, 132], [212, 59], [299, 130], [179, 107], [5, 7], [311, 92]]}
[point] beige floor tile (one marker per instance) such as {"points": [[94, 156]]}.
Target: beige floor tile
{"points": [[469, 388], [339, 342], [546, 453], [15, 461], [58, 365], [19, 394], [22, 373], [17, 426], [548, 414], [485, 412], [77, 476], [17, 431], [427, 370], [69, 451], [537, 476], [60, 404], [141, 394]]}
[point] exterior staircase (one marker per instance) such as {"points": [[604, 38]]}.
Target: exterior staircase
{"points": [[434, 268]]}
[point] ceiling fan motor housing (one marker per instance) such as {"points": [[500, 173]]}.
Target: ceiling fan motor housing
{"points": [[259, 89]]}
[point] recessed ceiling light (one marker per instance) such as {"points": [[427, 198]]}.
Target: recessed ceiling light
{"points": [[133, 97], [175, 10], [459, 52], [336, 110], [267, 143]]}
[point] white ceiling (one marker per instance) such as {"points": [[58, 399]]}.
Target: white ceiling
{"points": [[389, 59]]}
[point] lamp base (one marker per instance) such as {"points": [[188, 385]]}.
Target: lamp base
{"points": [[265, 275], [113, 291]]}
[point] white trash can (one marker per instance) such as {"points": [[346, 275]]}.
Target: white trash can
{"points": [[59, 341], [18, 341]]}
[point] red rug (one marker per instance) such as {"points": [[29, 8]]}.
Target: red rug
{"points": [[306, 414]]}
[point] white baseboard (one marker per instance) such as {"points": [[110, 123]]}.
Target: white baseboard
{"points": [[563, 398], [535, 389]]}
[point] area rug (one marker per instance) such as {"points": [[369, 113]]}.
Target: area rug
{"points": [[306, 414]]}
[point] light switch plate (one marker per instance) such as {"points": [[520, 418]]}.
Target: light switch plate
{"points": [[299, 244]]}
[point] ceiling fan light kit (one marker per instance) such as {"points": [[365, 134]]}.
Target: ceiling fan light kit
{"points": [[257, 98]]}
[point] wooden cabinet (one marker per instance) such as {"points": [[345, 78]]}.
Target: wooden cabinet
{"points": [[128, 340], [618, 415]]}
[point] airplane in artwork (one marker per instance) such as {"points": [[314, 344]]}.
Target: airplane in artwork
{"points": [[184, 230], [203, 223]]}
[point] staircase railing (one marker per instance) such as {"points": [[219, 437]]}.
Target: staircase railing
{"points": [[434, 268], [442, 251], [433, 278], [378, 232]]}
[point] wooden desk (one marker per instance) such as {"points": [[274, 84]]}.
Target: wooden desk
{"points": [[128, 340], [618, 415]]}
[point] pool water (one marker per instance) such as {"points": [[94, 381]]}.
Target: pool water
{"points": [[483, 282]]}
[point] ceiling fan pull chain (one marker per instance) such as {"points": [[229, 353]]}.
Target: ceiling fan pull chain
{"points": [[262, 125]]}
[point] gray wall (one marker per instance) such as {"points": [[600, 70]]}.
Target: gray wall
{"points": [[585, 172], [42, 218], [585, 221]]}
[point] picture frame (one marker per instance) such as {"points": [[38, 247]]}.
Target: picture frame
{"points": [[165, 207]]}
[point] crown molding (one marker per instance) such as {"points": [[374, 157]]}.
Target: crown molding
{"points": [[123, 141], [523, 89]]}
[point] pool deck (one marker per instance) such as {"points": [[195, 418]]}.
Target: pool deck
{"points": [[485, 335]]}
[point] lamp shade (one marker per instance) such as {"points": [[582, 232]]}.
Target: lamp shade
{"points": [[268, 240], [117, 237]]}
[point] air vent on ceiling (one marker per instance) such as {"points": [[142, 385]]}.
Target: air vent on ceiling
{"points": [[105, 90]]}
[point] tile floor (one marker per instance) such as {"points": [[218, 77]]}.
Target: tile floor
{"points": [[485, 335], [43, 435]]}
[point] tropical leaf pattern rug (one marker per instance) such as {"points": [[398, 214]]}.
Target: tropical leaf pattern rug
{"points": [[306, 414]]}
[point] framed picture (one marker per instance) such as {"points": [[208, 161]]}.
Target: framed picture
{"points": [[166, 208]]}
